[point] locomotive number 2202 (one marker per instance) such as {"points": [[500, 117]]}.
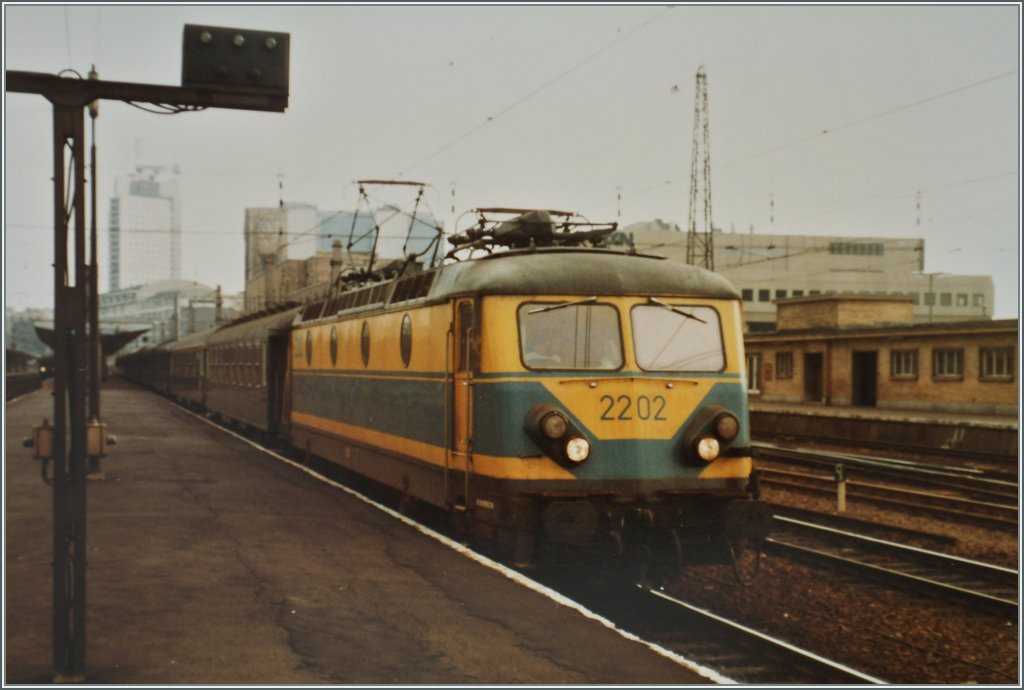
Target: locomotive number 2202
{"points": [[624, 407]]}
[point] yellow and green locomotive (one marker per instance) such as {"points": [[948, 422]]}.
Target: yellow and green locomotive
{"points": [[552, 392]]}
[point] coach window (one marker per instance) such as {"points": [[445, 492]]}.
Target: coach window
{"points": [[677, 337], [948, 364], [405, 340], [364, 343], [570, 335], [334, 345], [997, 364]]}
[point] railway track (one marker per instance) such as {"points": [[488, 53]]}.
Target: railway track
{"points": [[961, 495], [976, 584], [993, 484], [735, 651], [938, 473]]}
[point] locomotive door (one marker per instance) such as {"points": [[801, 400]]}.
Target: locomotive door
{"points": [[459, 457]]}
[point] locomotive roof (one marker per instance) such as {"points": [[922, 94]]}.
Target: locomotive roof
{"points": [[579, 271]]}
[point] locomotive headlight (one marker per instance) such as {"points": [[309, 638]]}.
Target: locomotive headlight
{"points": [[554, 425], [577, 449], [708, 448], [727, 426]]}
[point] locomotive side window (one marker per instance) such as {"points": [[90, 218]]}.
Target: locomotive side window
{"points": [[364, 343], [570, 336], [406, 340], [671, 337]]}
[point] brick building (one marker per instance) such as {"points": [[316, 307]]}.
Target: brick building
{"points": [[865, 351]]}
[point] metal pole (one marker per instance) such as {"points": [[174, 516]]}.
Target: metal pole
{"points": [[69, 544], [95, 338]]}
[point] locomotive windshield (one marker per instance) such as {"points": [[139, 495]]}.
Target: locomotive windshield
{"points": [[677, 338], [570, 335]]}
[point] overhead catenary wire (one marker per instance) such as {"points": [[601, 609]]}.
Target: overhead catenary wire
{"points": [[526, 97], [831, 130]]}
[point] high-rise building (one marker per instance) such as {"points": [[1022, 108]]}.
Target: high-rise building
{"points": [[145, 228]]}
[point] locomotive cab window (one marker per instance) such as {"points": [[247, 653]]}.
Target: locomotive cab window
{"points": [[670, 337], [570, 336]]}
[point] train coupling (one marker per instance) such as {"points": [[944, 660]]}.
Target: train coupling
{"points": [[747, 520]]}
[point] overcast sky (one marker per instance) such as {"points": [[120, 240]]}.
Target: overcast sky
{"points": [[873, 121]]}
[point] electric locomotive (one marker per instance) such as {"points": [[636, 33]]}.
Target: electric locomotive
{"points": [[552, 393]]}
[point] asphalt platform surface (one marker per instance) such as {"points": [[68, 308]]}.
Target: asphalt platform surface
{"points": [[210, 562]]}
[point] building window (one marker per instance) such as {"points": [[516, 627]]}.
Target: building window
{"points": [[979, 300], [961, 299], [764, 295], [784, 365], [780, 294], [798, 293], [903, 364], [929, 299], [753, 372], [814, 292], [748, 295], [946, 299], [997, 364], [948, 364]]}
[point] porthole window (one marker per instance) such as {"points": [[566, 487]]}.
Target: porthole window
{"points": [[334, 345], [406, 340], [364, 344], [309, 347]]}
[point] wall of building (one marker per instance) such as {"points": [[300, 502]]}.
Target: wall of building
{"points": [[972, 390]]}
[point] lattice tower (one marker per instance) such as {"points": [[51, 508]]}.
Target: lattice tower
{"points": [[700, 248]]}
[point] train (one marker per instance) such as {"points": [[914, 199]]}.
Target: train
{"points": [[551, 392]]}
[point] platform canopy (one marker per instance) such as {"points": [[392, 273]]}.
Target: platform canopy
{"points": [[113, 336]]}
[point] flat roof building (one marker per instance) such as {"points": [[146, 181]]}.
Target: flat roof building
{"points": [[769, 268]]}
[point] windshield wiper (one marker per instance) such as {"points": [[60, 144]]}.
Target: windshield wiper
{"points": [[561, 305], [652, 300]]}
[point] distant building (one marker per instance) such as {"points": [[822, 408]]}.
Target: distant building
{"points": [[866, 351], [173, 308], [769, 268], [290, 249], [145, 228]]}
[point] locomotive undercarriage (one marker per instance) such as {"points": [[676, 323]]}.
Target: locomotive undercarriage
{"points": [[650, 528], [655, 534]]}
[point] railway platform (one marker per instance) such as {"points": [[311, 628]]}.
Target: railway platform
{"points": [[993, 435], [211, 562]]}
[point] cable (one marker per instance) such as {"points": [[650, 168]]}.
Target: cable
{"points": [[515, 104], [869, 118]]}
